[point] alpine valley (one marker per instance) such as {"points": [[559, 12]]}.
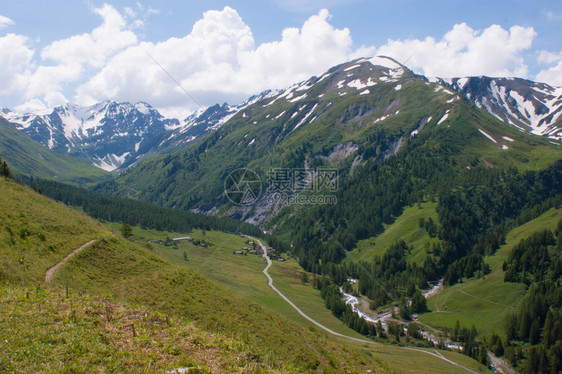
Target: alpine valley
{"points": [[407, 223]]}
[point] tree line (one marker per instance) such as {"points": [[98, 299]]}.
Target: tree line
{"points": [[116, 209]]}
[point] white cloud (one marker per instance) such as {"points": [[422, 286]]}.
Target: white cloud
{"points": [[32, 105], [14, 66], [463, 51], [217, 61], [546, 57], [5, 22], [553, 16], [93, 48], [552, 75], [73, 57]]}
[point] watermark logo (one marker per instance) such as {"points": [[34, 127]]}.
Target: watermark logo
{"points": [[243, 186], [285, 186]]}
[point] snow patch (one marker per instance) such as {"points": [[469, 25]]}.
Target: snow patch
{"points": [[384, 62], [462, 82], [351, 67], [398, 87], [297, 98], [302, 121], [488, 136], [366, 92], [142, 107], [356, 84], [444, 118], [111, 161], [507, 138]]}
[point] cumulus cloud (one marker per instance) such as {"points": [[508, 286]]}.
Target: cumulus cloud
{"points": [[95, 47], [218, 59], [61, 62], [464, 51], [14, 66]]}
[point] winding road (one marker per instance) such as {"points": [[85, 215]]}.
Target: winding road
{"points": [[270, 283], [51, 271]]}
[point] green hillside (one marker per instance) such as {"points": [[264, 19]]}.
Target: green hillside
{"points": [[406, 227], [36, 233], [28, 157]]}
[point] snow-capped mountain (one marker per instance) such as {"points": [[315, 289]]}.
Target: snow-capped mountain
{"points": [[105, 134], [530, 106], [113, 135]]}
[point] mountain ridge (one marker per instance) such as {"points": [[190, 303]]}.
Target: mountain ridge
{"points": [[116, 135], [356, 112]]}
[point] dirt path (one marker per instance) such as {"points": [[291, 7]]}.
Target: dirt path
{"points": [[51, 271], [270, 283]]}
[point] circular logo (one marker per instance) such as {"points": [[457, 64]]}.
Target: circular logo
{"points": [[242, 186]]}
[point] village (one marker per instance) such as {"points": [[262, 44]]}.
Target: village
{"points": [[254, 249]]}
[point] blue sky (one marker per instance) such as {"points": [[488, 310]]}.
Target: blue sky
{"points": [[87, 51]]}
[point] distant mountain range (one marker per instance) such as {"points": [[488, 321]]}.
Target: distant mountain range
{"points": [[114, 136]]}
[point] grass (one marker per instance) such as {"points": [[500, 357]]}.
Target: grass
{"points": [[36, 233], [405, 227], [485, 302], [81, 334], [131, 274], [244, 274]]}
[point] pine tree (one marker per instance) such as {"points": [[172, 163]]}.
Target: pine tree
{"points": [[126, 230], [419, 304], [4, 169]]}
